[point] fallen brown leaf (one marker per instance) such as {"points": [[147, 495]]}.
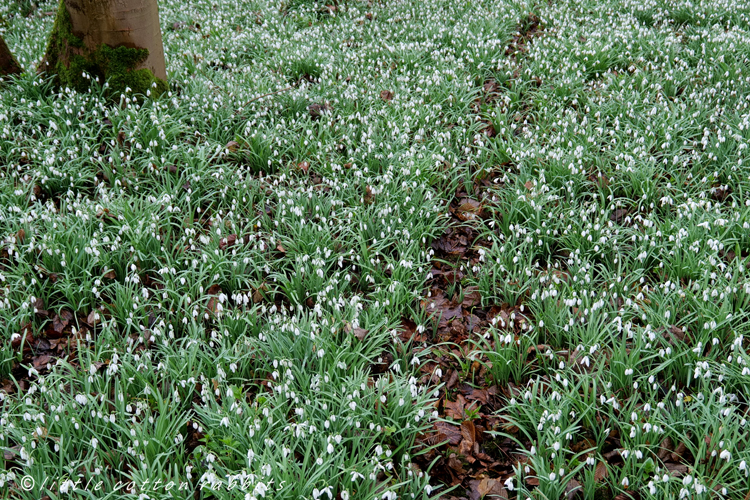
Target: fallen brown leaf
{"points": [[317, 110], [665, 448], [386, 95], [92, 318], [583, 444], [213, 301], [455, 464], [358, 332], [40, 362], [452, 379], [674, 334], [455, 409], [59, 322], [619, 215], [600, 473], [572, 489], [468, 437], [26, 336], [39, 309], [472, 297], [628, 496], [469, 209], [228, 241], [258, 294], [441, 307], [487, 488], [41, 432], [369, 196], [448, 431], [677, 470], [483, 395], [679, 452]]}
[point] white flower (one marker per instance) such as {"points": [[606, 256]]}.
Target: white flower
{"points": [[65, 486], [260, 489]]}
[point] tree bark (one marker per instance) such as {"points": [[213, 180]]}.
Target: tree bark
{"points": [[8, 64], [115, 40]]}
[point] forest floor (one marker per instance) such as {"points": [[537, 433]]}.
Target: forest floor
{"points": [[402, 249]]}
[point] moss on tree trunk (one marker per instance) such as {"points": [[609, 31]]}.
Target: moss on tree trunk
{"points": [[8, 64], [74, 57]]}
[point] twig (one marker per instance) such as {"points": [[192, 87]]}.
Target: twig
{"points": [[216, 87], [261, 97]]}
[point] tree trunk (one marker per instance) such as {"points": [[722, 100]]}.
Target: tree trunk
{"points": [[8, 63], [114, 40]]}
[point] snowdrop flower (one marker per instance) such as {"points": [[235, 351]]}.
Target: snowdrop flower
{"points": [[260, 489], [66, 486]]}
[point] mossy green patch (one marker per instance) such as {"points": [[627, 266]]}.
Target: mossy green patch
{"points": [[60, 41], [117, 64], [69, 59]]}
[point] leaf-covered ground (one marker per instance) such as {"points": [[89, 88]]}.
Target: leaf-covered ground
{"points": [[384, 250]]}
